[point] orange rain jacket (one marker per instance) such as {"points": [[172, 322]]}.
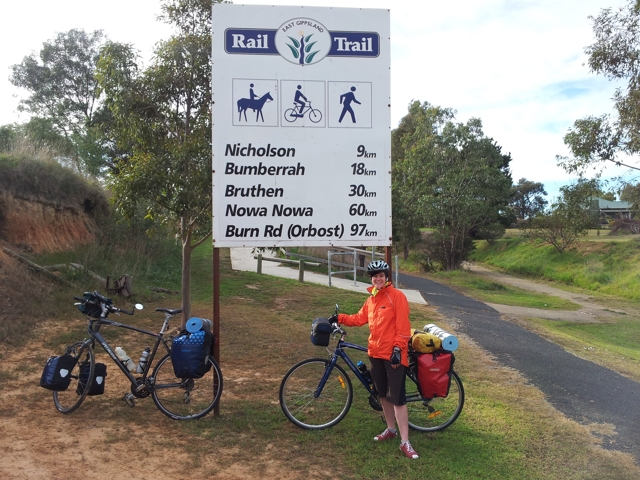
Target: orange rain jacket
{"points": [[387, 313]]}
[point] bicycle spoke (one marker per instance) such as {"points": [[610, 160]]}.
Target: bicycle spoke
{"points": [[432, 415], [185, 399], [298, 395]]}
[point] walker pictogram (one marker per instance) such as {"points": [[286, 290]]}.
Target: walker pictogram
{"points": [[346, 99]]}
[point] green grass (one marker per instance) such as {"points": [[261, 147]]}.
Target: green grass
{"points": [[490, 291], [507, 430], [607, 271], [615, 344], [608, 268]]}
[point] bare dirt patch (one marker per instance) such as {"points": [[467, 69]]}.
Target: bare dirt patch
{"points": [[106, 439]]}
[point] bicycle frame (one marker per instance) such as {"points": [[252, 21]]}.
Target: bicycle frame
{"points": [[94, 332], [339, 352]]}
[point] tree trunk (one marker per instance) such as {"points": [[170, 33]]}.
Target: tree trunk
{"points": [[186, 270]]}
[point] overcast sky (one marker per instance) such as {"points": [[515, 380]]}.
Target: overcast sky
{"points": [[518, 65]]}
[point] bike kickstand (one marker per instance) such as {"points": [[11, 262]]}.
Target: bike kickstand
{"points": [[128, 399]]}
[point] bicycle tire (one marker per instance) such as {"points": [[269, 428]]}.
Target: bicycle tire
{"points": [[289, 115], [315, 115], [302, 407], [185, 398], [68, 400], [434, 414]]}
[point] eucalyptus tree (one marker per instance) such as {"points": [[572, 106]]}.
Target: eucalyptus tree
{"points": [[527, 198], [63, 97], [569, 217], [407, 218], [599, 140], [458, 178], [161, 118]]}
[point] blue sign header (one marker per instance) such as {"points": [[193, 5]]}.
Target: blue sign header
{"points": [[262, 42]]}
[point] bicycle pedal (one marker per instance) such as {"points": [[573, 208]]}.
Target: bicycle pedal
{"points": [[129, 400]]}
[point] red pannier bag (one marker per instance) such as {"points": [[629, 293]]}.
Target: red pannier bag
{"points": [[434, 373]]}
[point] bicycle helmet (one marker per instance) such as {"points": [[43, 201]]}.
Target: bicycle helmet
{"points": [[378, 266]]}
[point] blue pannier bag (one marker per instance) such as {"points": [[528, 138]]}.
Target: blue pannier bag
{"points": [[56, 375], [99, 376], [190, 351]]}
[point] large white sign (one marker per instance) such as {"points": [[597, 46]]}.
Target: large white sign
{"points": [[301, 126]]}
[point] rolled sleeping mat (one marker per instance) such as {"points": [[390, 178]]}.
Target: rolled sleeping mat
{"points": [[194, 324], [449, 342]]}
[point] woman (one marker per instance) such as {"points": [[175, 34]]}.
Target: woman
{"points": [[387, 313]]}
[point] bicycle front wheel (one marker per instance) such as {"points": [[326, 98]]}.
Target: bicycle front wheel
{"points": [[315, 115], [434, 414], [305, 404], [185, 398], [68, 400]]}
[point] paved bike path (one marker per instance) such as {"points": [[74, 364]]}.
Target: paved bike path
{"points": [[580, 389]]}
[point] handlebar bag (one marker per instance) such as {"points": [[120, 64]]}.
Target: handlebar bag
{"points": [[321, 332], [56, 375], [90, 305], [434, 373], [190, 352], [99, 376]]}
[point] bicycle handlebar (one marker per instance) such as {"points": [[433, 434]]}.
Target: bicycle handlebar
{"points": [[104, 301]]}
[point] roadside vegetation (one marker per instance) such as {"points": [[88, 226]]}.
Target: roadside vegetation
{"points": [[609, 268], [603, 269]]}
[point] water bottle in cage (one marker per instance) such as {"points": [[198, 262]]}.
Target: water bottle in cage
{"points": [[143, 360], [365, 371]]}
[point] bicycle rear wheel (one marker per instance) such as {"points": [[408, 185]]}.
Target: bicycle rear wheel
{"points": [[434, 414], [68, 400], [307, 409], [185, 398], [291, 115]]}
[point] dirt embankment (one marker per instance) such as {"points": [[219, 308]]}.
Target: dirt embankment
{"points": [[45, 206], [43, 226]]}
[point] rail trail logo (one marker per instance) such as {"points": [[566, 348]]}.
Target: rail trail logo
{"points": [[302, 41]]}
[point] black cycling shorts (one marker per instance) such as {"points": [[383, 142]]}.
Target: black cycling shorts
{"points": [[389, 381]]}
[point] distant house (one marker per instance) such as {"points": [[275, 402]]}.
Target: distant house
{"points": [[607, 210]]}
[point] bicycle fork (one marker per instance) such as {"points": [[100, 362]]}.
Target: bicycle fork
{"points": [[327, 371]]}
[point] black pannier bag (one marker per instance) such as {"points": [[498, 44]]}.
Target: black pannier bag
{"points": [[190, 352], [321, 332], [91, 305], [57, 372], [99, 376]]}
